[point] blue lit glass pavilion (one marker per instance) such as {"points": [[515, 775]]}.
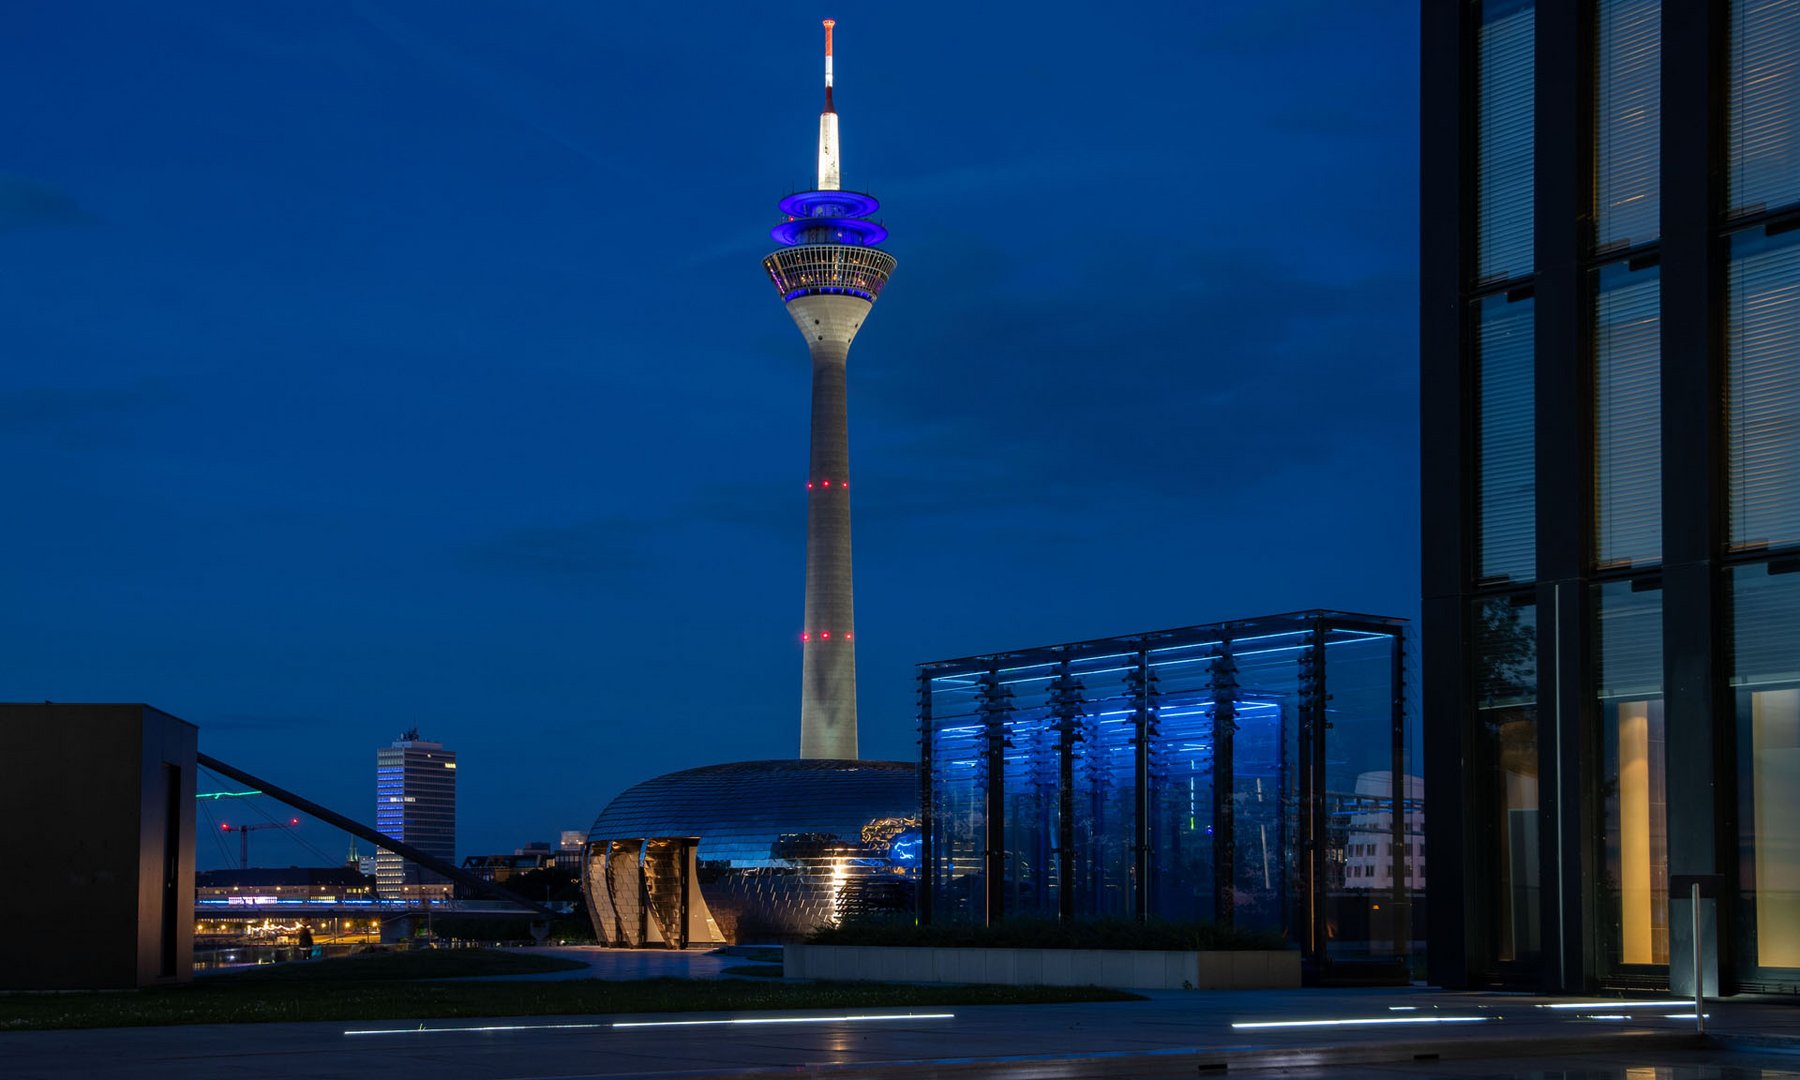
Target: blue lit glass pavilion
{"points": [[1247, 773]]}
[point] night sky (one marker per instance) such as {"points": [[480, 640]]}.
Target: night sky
{"points": [[378, 364]]}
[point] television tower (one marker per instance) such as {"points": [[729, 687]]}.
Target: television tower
{"points": [[828, 271]]}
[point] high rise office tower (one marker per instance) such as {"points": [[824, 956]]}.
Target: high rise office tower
{"points": [[828, 272], [1610, 391], [415, 802]]}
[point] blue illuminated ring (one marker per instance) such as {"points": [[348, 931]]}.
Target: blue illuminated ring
{"points": [[853, 231], [804, 204]]}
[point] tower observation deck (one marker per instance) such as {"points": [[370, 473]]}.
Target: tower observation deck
{"points": [[829, 270]]}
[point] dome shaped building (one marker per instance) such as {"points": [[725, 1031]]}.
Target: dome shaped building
{"points": [[752, 850]]}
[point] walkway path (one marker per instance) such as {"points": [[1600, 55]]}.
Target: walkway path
{"points": [[1172, 1033]]}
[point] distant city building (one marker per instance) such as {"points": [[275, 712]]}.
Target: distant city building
{"points": [[362, 864], [501, 868], [1610, 401], [1369, 862], [571, 845], [415, 802], [268, 906], [323, 883], [1231, 773]]}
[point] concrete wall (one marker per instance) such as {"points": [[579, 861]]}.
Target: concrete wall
{"points": [[98, 805], [1131, 969]]}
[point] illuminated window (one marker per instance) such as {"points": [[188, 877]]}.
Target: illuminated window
{"points": [[1766, 680], [1629, 643]]}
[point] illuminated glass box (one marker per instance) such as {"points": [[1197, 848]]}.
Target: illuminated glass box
{"points": [[1248, 773]]}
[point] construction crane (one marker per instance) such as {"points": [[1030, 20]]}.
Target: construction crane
{"points": [[244, 832]]}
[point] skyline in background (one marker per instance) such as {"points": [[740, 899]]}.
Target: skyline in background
{"points": [[382, 365]]}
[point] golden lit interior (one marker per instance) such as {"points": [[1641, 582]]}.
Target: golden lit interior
{"points": [[1634, 832], [1643, 834], [1775, 761]]}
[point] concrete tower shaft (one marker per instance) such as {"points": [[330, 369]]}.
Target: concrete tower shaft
{"points": [[829, 272], [828, 664]]}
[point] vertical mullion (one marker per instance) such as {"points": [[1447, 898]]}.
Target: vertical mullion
{"points": [[1446, 409], [1565, 496], [1694, 674]]}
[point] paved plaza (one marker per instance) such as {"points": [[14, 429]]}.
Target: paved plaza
{"points": [[1315, 1032]]}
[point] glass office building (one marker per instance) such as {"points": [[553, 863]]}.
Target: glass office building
{"points": [[415, 802], [753, 851], [1248, 773], [1610, 391]]}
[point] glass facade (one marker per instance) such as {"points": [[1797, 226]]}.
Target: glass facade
{"points": [[1505, 653], [1505, 149], [1635, 914], [1627, 123], [1506, 430], [415, 803], [1250, 773], [1765, 683], [1611, 513], [1763, 106], [778, 847], [1627, 416], [1762, 394]]}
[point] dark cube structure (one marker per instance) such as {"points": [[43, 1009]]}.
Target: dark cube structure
{"points": [[98, 802]]}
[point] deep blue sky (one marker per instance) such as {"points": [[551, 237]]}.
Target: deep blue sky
{"points": [[377, 364]]}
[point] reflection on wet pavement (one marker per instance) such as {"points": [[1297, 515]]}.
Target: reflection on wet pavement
{"points": [[1678, 1065]]}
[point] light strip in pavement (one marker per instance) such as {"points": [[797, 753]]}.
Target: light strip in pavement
{"points": [[422, 1030], [1599, 1005], [783, 1020], [491, 1027], [1363, 1020]]}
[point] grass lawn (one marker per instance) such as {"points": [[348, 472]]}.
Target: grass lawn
{"points": [[398, 986], [413, 964]]}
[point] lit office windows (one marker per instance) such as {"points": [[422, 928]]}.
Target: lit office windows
{"points": [[1765, 681], [1762, 406], [1628, 635], [1506, 451], [1763, 106], [1627, 416], [1627, 123], [1505, 634], [1504, 140]]}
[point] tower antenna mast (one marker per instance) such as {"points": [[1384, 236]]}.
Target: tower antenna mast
{"points": [[829, 178]]}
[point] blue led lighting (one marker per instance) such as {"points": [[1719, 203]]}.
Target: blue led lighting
{"points": [[844, 230], [831, 290], [805, 204]]}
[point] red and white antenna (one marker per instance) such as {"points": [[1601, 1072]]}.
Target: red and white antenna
{"points": [[828, 126], [829, 23]]}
